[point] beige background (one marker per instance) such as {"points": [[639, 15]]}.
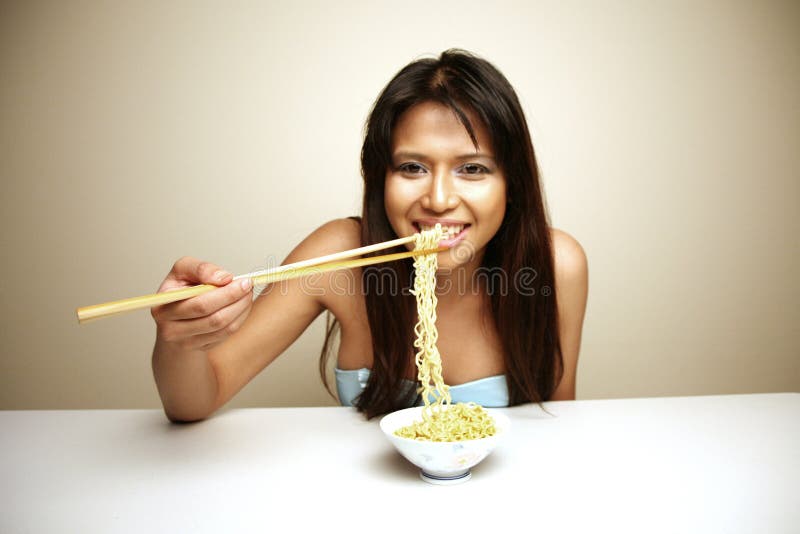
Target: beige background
{"points": [[132, 133]]}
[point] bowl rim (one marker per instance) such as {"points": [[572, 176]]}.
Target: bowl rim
{"points": [[502, 428]]}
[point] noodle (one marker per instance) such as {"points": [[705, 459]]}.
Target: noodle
{"points": [[441, 420]]}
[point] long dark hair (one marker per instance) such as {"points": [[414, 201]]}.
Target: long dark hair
{"points": [[526, 320]]}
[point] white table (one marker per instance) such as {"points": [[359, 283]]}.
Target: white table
{"points": [[687, 464]]}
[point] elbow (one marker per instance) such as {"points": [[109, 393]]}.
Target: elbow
{"points": [[181, 406], [186, 416]]}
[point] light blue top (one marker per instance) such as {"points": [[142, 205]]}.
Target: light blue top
{"points": [[491, 392]]}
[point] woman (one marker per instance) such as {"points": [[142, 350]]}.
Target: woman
{"points": [[447, 143]]}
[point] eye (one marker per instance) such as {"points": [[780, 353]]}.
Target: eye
{"points": [[473, 169], [411, 168]]}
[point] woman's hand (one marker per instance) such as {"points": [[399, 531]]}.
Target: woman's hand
{"points": [[197, 364], [204, 321]]}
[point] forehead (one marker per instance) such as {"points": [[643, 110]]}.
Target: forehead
{"points": [[436, 125]]}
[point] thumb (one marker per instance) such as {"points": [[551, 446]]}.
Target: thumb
{"points": [[194, 271]]}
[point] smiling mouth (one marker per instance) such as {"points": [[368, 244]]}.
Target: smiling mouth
{"points": [[450, 231]]}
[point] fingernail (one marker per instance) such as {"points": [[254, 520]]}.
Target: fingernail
{"points": [[245, 284], [220, 275]]}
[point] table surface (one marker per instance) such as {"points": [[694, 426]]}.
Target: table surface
{"points": [[677, 464]]}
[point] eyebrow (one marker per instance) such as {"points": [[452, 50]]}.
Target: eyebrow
{"points": [[417, 155]]}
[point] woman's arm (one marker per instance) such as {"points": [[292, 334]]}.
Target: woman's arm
{"points": [[572, 285], [194, 382]]}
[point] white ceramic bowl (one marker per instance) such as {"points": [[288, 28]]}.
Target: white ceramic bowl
{"points": [[442, 462]]}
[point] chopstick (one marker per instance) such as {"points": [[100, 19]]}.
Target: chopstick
{"points": [[330, 262], [333, 257]]}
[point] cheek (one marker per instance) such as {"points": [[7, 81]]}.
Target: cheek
{"points": [[398, 197], [390, 199], [501, 203], [500, 199], [490, 202], [394, 205]]}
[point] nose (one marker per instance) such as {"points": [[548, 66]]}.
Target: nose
{"points": [[441, 195]]}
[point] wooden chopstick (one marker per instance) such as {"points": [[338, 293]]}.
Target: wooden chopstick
{"points": [[287, 274], [284, 272], [333, 257]]}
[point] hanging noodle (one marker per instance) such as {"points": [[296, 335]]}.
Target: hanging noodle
{"points": [[441, 420]]}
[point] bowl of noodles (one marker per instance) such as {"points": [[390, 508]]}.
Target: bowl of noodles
{"points": [[445, 441]]}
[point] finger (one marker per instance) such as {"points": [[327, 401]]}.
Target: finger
{"points": [[237, 322], [197, 271], [222, 320], [207, 303], [189, 271], [209, 340]]}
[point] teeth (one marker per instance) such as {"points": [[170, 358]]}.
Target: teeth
{"points": [[449, 231]]}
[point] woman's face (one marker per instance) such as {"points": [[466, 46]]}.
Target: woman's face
{"points": [[438, 175]]}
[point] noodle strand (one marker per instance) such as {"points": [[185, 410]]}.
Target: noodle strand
{"points": [[441, 420]]}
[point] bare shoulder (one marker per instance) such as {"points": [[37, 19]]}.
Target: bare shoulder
{"points": [[333, 236], [572, 287], [569, 257]]}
